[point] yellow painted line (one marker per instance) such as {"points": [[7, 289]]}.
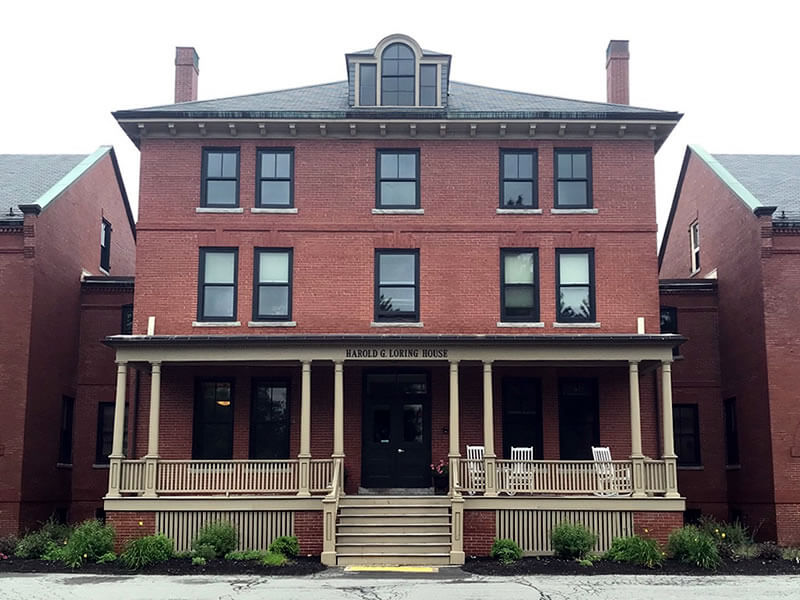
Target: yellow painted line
{"points": [[392, 569]]}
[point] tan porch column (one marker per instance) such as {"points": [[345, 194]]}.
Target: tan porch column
{"points": [[115, 458], [637, 458], [151, 460], [670, 460], [488, 430], [304, 457], [338, 418], [454, 454]]}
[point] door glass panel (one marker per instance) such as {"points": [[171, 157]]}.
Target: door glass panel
{"points": [[381, 425], [412, 423]]}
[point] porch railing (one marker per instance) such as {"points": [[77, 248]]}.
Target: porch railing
{"points": [[655, 476], [131, 479]]}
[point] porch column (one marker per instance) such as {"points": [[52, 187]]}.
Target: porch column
{"points": [[338, 419], [454, 454], [304, 457], [116, 456], [670, 459], [488, 430], [637, 458], [151, 460]]}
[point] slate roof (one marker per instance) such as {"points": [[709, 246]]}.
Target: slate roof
{"points": [[330, 100], [24, 178], [772, 178]]}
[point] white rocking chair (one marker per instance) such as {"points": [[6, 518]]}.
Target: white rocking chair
{"points": [[611, 480], [476, 469], [518, 473]]}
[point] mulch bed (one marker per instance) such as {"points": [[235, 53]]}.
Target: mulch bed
{"points": [[174, 566], [548, 565]]}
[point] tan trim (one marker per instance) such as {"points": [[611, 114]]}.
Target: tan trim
{"points": [[575, 503], [522, 325], [214, 503], [558, 325], [272, 323], [573, 211]]}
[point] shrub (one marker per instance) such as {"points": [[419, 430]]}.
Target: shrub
{"points": [[743, 552], [220, 536], [572, 540], [204, 551], [691, 546], [32, 545], [108, 557], [246, 555], [185, 555], [89, 541], [147, 550], [198, 561], [636, 550], [725, 534], [769, 551], [55, 531], [274, 559], [54, 552], [792, 554], [505, 551], [286, 545], [8, 544]]}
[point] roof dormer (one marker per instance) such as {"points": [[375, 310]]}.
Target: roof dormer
{"points": [[398, 73]]}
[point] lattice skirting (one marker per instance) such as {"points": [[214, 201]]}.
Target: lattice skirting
{"points": [[256, 529], [531, 528]]}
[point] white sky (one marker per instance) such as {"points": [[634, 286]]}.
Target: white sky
{"points": [[732, 67]]}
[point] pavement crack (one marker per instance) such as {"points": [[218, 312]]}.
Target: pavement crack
{"points": [[529, 584]]}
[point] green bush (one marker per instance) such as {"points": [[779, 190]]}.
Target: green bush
{"points": [[32, 545], [792, 554], [147, 550], [185, 555], [286, 545], [743, 552], [89, 541], [199, 561], [274, 559], [769, 551], [572, 540], [691, 546], [246, 555], [54, 552], [220, 535], [8, 544], [505, 551], [108, 557], [204, 551], [636, 550], [57, 532]]}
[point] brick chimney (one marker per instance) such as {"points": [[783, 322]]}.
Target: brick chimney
{"points": [[617, 86], [187, 68]]}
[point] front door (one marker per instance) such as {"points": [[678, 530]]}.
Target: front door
{"points": [[396, 450]]}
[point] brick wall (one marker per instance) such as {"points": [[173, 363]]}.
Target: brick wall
{"points": [[479, 531], [308, 529], [657, 525], [130, 526]]}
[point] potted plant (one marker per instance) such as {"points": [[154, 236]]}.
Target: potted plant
{"points": [[439, 473]]}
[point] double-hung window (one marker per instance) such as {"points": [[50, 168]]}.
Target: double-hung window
{"points": [[217, 284], [220, 178], [427, 85], [575, 287], [397, 285], [669, 323], [367, 74], [694, 243], [275, 187], [686, 425], [126, 327], [273, 289], [573, 179], [105, 432], [398, 179], [65, 431], [518, 172], [519, 296], [105, 245]]}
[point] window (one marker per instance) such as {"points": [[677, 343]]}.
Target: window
{"points": [[669, 324], [65, 433], [126, 327], [213, 421], [573, 179], [273, 289], [269, 420], [686, 425], [397, 76], [694, 242], [275, 185], [105, 432], [522, 415], [398, 179], [220, 178], [427, 85], [731, 433], [217, 293], [105, 246], [519, 297], [575, 286], [518, 172], [366, 84], [578, 418], [396, 285]]}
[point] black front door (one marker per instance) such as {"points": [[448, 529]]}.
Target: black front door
{"points": [[396, 450], [578, 418]]}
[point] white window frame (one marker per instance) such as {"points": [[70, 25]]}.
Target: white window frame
{"points": [[694, 246]]}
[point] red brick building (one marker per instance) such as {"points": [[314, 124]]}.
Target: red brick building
{"points": [[734, 230], [64, 220], [340, 285]]}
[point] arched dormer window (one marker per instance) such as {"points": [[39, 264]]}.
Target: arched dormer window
{"points": [[397, 76]]}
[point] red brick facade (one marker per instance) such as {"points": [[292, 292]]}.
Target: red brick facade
{"points": [[657, 525], [308, 529], [479, 531], [130, 526]]}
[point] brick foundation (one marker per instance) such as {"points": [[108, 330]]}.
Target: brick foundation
{"points": [[657, 525], [130, 526], [308, 529], [480, 528]]}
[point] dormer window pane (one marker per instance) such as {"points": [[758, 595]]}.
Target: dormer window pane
{"points": [[366, 79], [397, 76], [427, 85]]}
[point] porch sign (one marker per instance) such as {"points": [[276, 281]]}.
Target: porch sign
{"points": [[394, 353]]}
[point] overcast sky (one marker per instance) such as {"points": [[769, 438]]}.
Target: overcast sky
{"points": [[731, 67]]}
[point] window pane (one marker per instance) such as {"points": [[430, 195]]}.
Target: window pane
{"points": [[219, 267], [525, 166], [275, 193], [406, 84], [218, 302], [367, 85], [519, 267], [406, 98], [510, 166], [517, 193], [564, 162], [407, 164], [519, 296], [412, 423], [574, 303], [282, 165], [214, 167], [389, 166], [381, 426], [427, 75], [579, 166], [389, 84], [427, 96], [574, 268], [273, 300], [390, 67], [398, 193], [229, 164], [273, 267], [221, 192], [572, 193], [268, 164], [396, 268], [397, 299]]}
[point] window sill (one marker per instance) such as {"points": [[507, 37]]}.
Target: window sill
{"points": [[63, 465], [100, 466], [693, 273], [733, 467], [577, 325], [274, 211], [573, 211], [216, 323], [398, 211], [519, 211], [690, 468], [396, 324], [272, 323], [520, 324], [211, 209]]}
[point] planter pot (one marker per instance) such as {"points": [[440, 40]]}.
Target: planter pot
{"points": [[440, 484]]}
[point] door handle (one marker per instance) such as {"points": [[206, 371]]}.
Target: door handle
{"points": [[400, 450]]}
